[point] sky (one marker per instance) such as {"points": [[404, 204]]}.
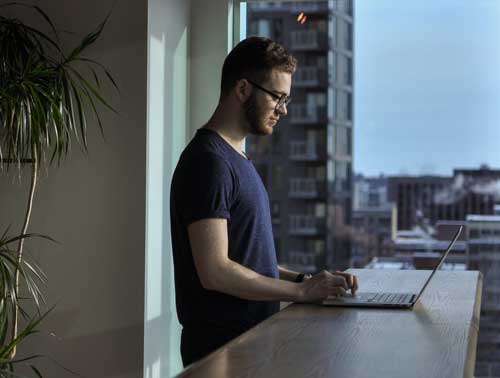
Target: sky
{"points": [[427, 86]]}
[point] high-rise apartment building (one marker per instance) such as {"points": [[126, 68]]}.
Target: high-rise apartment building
{"points": [[306, 164]]}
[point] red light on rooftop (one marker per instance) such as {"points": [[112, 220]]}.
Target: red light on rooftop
{"points": [[301, 18]]}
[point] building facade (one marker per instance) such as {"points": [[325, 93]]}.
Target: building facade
{"points": [[306, 164], [414, 198], [374, 220], [484, 255], [428, 199]]}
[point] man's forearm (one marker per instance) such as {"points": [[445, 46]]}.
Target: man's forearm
{"points": [[287, 275], [239, 281]]}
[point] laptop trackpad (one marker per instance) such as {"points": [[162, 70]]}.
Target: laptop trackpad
{"points": [[349, 298]]}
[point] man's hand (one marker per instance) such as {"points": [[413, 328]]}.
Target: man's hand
{"points": [[326, 284], [351, 280]]}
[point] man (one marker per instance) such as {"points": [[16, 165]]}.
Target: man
{"points": [[226, 275]]}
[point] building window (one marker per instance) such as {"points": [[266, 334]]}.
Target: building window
{"points": [[275, 209], [277, 177], [277, 246]]}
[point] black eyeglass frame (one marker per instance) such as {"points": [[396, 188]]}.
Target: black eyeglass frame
{"points": [[282, 99]]}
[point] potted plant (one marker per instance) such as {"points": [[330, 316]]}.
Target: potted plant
{"points": [[45, 102]]}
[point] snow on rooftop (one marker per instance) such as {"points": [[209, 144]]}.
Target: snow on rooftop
{"points": [[398, 265], [483, 218]]}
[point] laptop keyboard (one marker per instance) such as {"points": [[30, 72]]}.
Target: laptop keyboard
{"points": [[390, 298]]}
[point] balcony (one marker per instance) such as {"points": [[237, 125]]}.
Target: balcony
{"points": [[306, 188], [343, 6], [309, 77], [306, 225], [305, 150], [267, 7], [308, 40], [304, 114], [308, 7]]}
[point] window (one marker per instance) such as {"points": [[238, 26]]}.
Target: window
{"points": [[343, 141], [277, 177], [278, 30], [344, 105], [344, 34], [277, 246], [275, 209], [403, 149]]}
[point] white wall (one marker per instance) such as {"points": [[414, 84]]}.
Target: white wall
{"points": [[168, 50], [112, 275], [188, 41], [95, 207], [212, 39]]}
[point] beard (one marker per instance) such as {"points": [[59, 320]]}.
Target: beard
{"points": [[254, 117]]}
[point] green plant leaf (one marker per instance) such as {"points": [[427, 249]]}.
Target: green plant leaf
{"points": [[28, 330], [44, 100]]}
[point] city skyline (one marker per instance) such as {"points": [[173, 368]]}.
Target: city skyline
{"points": [[427, 86]]}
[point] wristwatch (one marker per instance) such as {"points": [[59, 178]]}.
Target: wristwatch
{"points": [[300, 277]]}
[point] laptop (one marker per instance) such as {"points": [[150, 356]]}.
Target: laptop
{"points": [[388, 300]]}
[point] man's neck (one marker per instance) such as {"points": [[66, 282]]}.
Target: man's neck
{"points": [[229, 130]]}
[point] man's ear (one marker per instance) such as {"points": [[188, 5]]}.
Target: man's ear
{"points": [[243, 89]]}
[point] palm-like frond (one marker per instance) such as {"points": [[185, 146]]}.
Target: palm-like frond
{"points": [[33, 278], [44, 99], [30, 272], [45, 102], [6, 363]]}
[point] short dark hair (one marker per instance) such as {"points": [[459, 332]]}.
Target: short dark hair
{"points": [[254, 58]]}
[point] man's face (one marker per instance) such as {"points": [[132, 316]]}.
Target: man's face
{"points": [[260, 108]]}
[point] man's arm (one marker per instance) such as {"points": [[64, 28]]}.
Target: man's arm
{"points": [[289, 275], [209, 245]]}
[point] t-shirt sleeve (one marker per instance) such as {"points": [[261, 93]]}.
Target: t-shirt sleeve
{"points": [[208, 189]]}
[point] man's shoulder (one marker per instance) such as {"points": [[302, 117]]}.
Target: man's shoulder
{"points": [[204, 147], [202, 165], [203, 159]]}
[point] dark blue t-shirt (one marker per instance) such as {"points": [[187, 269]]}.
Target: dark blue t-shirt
{"points": [[212, 180]]}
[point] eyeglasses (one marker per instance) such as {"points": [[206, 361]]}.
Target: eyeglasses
{"points": [[282, 99]]}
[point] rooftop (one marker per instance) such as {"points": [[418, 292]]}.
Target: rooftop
{"points": [[483, 218]]}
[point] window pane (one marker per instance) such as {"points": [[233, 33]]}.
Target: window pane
{"points": [[309, 148], [414, 94]]}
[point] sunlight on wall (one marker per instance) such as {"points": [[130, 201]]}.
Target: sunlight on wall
{"points": [[167, 123]]}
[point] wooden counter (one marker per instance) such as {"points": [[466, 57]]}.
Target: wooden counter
{"points": [[437, 338]]}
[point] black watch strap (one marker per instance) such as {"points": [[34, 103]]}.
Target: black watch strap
{"points": [[300, 277]]}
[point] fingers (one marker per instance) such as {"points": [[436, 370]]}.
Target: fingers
{"points": [[355, 285], [328, 284], [334, 292], [341, 282], [337, 280], [337, 290], [352, 280], [348, 277]]}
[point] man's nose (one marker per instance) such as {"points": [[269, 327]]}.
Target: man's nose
{"points": [[282, 110]]}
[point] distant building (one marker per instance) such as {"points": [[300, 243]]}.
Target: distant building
{"points": [[408, 263], [484, 255], [414, 197], [428, 199], [373, 231], [306, 165], [370, 192], [425, 250], [374, 220]]}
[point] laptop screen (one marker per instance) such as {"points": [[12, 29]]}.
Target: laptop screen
{"points": [[441, 261]]}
